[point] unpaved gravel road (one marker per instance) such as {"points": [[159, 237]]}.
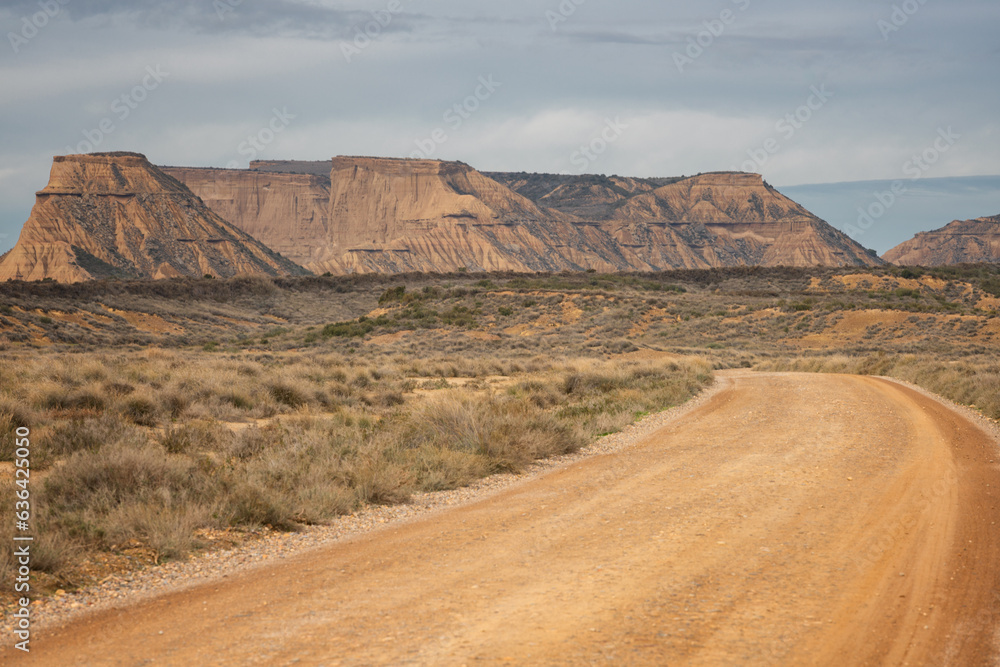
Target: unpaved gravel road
{"points": [[789, 520]]}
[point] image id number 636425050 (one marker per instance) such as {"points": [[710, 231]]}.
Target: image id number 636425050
{"points": [[22, 537]]}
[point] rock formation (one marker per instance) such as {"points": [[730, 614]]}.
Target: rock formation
{"points": [[287, 212], [392, 215], [723, 219], [116, 215], [960, 242]]}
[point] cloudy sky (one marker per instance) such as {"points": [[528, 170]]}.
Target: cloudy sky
{"points": [[802, 91]]}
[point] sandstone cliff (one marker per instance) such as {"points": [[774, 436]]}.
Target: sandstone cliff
{"points": [[725, 219], [392, 215], [288, 213], [116, 215], [960, 242]]}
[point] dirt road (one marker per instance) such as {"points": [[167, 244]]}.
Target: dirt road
{"points": [[792, 519]]}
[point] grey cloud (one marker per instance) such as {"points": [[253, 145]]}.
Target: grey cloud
{"points": [[281, 18], [760, 43], [607, 59], [605, 37]]}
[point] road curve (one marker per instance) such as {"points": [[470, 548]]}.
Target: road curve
{"points": [[792, 519]]}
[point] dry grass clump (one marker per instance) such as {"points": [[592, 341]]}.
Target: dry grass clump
{"points": [[601, 397], [506, 431], [52, 552], [127, 491], [68, 437]]}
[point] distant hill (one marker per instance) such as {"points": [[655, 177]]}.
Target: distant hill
{"points": [[960, 242]]}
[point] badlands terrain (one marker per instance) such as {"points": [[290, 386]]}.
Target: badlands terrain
{"points": [[962, 241], [784, 518], [381, 411]]}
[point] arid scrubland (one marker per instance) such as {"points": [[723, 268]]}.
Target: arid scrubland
{"points": [[172, 416], [148, 449]]}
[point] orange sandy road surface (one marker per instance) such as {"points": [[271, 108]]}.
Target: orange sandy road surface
{"points": [[790, 520]]}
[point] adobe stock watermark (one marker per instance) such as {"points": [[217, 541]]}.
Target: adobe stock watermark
{"points": [[902, 526], [562, 13], [901, 15], [224, 7], [256, 143], [23, 538], [714, 29], [455, 117], [914, 169], [366, 33], [588, 153], [121, 108], [33, 24], [786, 128]]}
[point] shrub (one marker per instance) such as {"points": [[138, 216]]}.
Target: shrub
{"points": [[115, 475], [175, 404], [118, 388], [53, 552], [90, 435], [177, 440], [253, 505], [377, 479], [348, 329], [236, 399], [196, 437], [286, 394], [508, 431], [253, 441], [392, 294], [140, 410], [100, 497]]}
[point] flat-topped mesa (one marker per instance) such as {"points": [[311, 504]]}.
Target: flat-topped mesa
{"points": [[740, 179], [421, 191], [418, 214], [376, 214], [398, 166], [959, 242], [115, 215], [118, 174]]}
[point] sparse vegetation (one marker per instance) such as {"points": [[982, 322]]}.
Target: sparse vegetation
{"points": [[173, 446], [161, 410]]}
